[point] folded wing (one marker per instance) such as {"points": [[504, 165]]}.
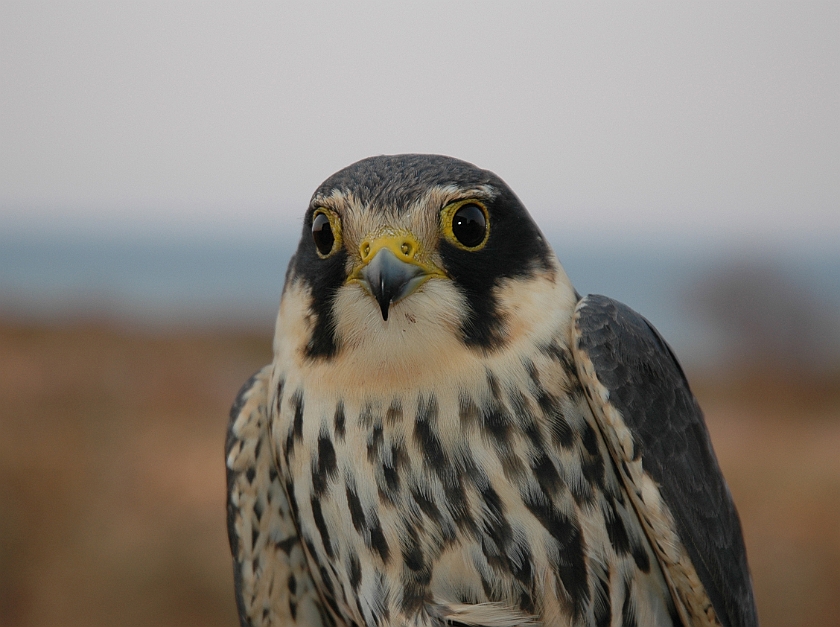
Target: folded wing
{"points": [[657, 436]]}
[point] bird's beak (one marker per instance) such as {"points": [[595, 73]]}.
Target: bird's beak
{"points": [[392, 267]]}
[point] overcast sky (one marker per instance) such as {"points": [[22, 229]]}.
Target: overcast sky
{"points": [[672, 119]]}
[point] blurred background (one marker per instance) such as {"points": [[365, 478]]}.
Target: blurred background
{"points": [[155, 162]]}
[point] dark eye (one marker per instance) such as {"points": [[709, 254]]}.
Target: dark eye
{"points": [[469, 225], [322, 234]]}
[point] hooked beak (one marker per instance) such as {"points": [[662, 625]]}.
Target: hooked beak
{"points": [[392, 268], [389, 280]]}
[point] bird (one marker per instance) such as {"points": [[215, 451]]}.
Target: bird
{"points": [[449, 433]]}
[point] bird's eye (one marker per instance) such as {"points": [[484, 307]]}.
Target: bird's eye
{"points": [[469, 225], [322, 233]]}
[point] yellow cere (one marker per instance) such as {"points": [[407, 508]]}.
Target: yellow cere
{"points": [[405, 247], [403, 244]]}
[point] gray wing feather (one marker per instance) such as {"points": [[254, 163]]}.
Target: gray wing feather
{"points": [[272, 580], [646, 385]]}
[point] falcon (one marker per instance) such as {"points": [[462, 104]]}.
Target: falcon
{"points": [[450, 434]]}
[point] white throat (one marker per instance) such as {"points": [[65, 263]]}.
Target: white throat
{"points": [[421, 344]]}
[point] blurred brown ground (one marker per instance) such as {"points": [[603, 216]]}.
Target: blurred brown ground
{"points": [[112, 477]]}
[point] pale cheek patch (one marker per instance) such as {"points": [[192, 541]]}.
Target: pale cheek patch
{"points": [[531, 307], [295, 321]]}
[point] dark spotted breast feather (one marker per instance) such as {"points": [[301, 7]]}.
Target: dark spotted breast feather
{"points": [[272, 579]]}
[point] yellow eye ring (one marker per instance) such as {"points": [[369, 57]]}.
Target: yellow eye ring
{"points": [[326, 232], [466, 224]]}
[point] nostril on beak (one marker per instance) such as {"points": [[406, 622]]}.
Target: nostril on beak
{"points": [[406, 249]]}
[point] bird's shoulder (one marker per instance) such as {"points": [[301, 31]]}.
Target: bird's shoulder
{"points": [[657, 436]]}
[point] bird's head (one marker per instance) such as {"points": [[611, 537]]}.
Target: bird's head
{"points": [[406, 253]]}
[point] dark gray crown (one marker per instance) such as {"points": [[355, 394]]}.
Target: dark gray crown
{"points": [[398, 180]]}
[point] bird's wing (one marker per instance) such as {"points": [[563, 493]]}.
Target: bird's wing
{"points": [[658, 439], [273, 582]]}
